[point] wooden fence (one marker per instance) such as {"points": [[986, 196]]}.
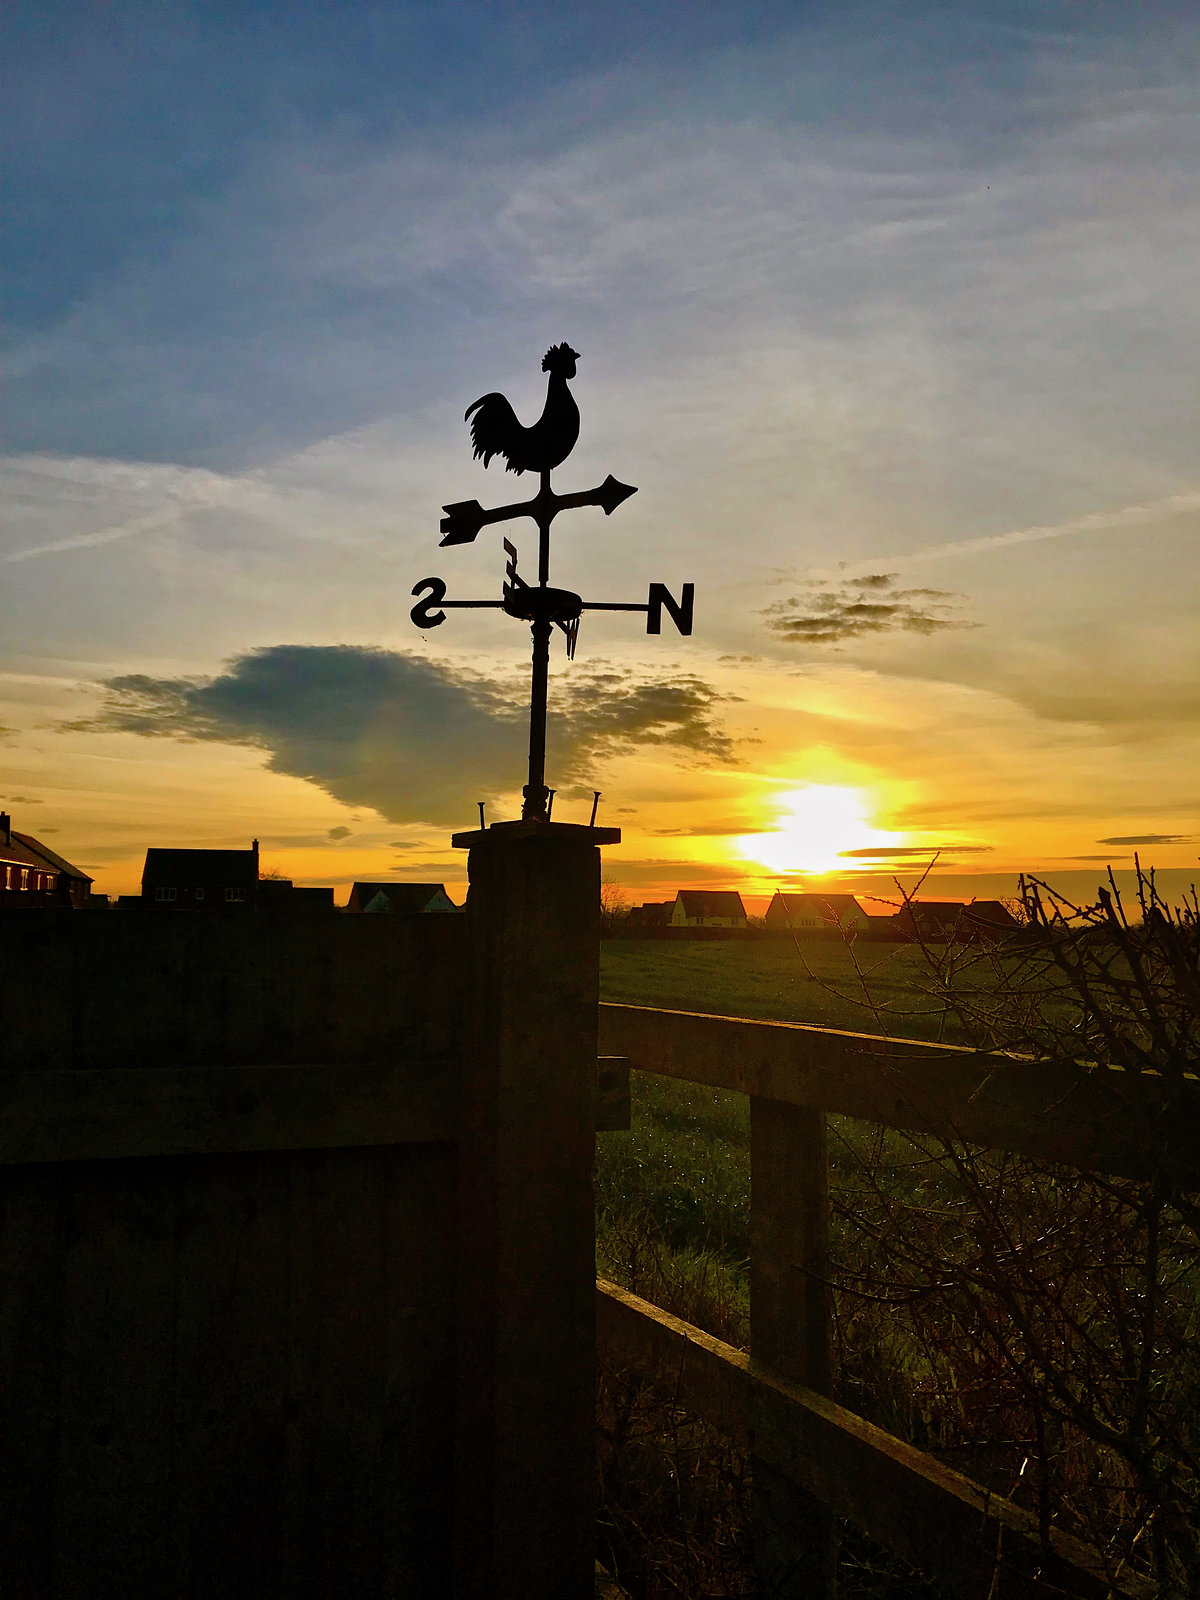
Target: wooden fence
{"points": [[297, 1278], [297, 1272], [811, 1456]]}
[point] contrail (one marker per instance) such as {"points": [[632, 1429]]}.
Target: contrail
{"points": [[163, 517], [198, 490], [1094, 522]]}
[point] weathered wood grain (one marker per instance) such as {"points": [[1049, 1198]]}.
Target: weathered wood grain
{"points": [[527, 1367], [111, 1113], [136, 989], [1099, 1119], [790, 1327], [932, 1516]]}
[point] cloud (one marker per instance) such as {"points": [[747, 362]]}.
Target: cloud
{"points": [[887, 852], [415, 739], [338, 833], [718, 828], [860, 606], [1146, 838]]}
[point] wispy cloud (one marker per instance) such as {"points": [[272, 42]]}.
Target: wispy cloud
{"points": [[1147, 838], [862, 606], [887, 852]]}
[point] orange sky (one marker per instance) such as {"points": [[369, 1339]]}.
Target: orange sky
{"points": [[892, 329]]}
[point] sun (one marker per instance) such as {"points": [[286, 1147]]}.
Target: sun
{"points": [[817, 825]]}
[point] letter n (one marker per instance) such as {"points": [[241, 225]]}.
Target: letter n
{"points": [[681, 614]]}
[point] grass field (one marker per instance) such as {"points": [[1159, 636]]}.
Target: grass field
{"points": [[673, 1225], [673, 1194], [673, 1213], [866, 988]]}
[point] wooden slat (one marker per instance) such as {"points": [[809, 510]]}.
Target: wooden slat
{"points": [[790, 1325], [1098, 1119], [932, 1516], [110, 1113], [138, 989]]}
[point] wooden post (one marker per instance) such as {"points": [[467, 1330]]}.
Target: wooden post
{"points": [[790, 1330], [526, 1349]]}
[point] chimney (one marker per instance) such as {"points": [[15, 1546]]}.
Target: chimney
{"points": [[254, 848], [6, 826]]}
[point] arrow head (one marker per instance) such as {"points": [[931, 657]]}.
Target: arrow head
{"points": [[611, 494], [462, 522]]}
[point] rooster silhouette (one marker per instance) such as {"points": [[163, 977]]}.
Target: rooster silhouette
{"points": [[495, 430]]}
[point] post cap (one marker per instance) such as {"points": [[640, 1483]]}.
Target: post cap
{"points": [[532, 829]]}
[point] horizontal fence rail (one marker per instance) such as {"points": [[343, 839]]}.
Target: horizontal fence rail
{"points": [[1095, 1119], [931, 1515], [1090, 1118], [113, 1113]]}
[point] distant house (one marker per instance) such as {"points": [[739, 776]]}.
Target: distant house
{"points": [[215, 880], [956, 919], [200, 880], [819, 913], [989, 919], [708, 908], [31, 874], [281, 894], [653, 914], [401, 899]]}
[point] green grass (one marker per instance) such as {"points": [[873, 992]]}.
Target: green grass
{"points": [[673, 1226], [673, 1218], [673, 1194], [864, 988]]}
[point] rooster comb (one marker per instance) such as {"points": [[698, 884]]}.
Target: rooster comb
{"points": [[560, 352]]}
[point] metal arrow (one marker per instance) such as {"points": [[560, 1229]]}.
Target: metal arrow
{"points": [[465, 518]]}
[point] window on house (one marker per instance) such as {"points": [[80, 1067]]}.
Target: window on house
{"points": [[24, 877], [165, 894], [199, 894], [235, 894]]}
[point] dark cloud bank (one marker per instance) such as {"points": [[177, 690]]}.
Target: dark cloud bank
{"points": [[862, 606], [415, 739]]}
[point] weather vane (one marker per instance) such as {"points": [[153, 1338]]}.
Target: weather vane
{"points": [[495, 431]]}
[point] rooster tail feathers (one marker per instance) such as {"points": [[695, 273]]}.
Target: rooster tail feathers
{"points": [[495, 430]]}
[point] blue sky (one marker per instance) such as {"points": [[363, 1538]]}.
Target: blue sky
{"points": [[861, 291]]}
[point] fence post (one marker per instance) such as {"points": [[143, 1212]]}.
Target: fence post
{"points": [[526, 1378], [790, 1330]]}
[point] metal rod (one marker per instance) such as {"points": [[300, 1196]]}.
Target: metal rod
{"points": [[534, 808], [545, 518], [482, 823], [595, 803], [550, 793]]}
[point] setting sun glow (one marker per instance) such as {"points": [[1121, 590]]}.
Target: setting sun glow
{"points": [[816, 827]]}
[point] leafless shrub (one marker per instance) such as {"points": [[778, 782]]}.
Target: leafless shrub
{"points": [[1043, 1322]]}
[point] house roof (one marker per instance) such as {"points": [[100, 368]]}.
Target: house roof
{"points": [[832, 905], [711, 902], [993, 912], [28, 851], [947, 911], [401, 897], [202, 868]]}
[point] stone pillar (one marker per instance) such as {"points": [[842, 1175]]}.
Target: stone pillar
{"points": [[527, 1344]]}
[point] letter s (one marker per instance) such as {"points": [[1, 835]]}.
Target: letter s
{"points": [[422, 613]]}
